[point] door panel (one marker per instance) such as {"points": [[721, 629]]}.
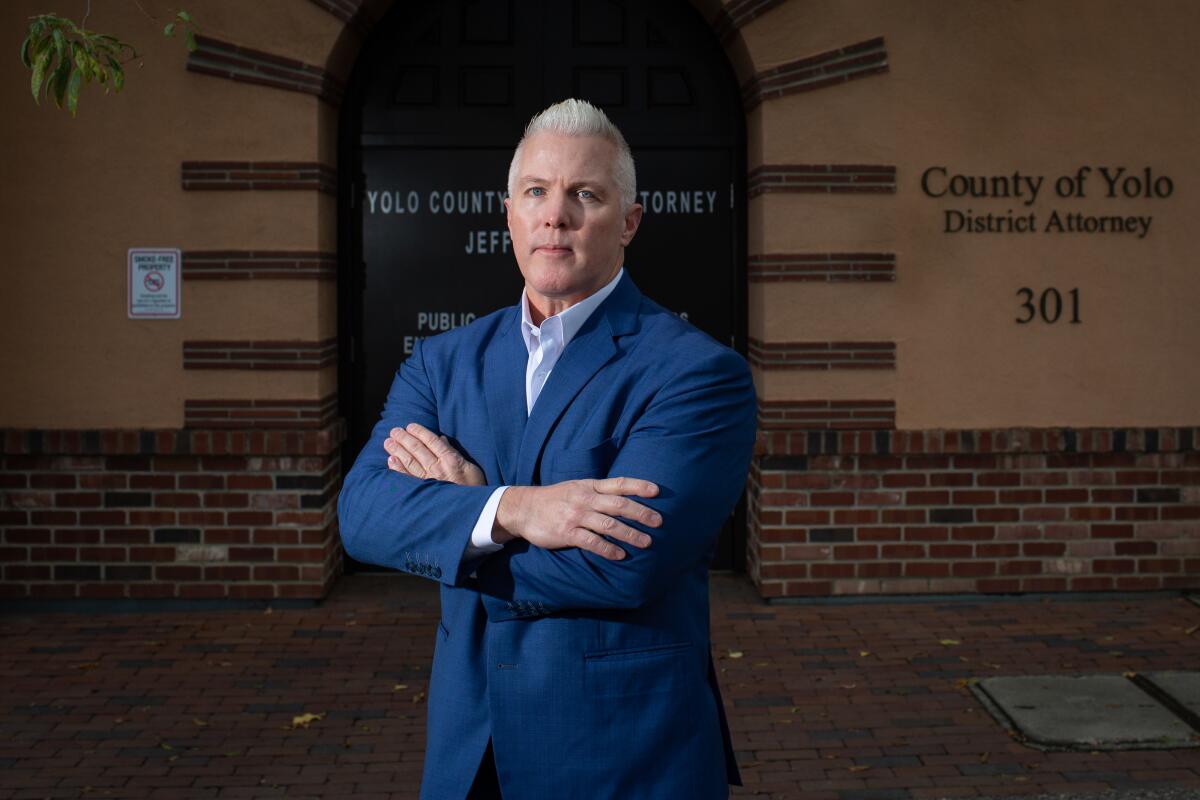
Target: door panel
{"points": [[438, 99]]}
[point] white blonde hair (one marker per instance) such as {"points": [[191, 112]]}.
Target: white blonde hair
{"points": [[573, 117]]}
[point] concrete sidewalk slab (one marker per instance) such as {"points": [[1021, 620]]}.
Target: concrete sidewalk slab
{"points": [[1181, 689], [1106, 712]]}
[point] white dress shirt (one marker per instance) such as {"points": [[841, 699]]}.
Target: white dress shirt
{"points": [[545, 344]]}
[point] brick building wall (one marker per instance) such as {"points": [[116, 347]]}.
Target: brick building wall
{"points": [[836, 512], [191, 514]]}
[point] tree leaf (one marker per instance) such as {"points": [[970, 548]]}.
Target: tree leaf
{"points": [[73, 90], [169, 29], [60, 42], [39, 69], [306, 719], [62, 74], [25, 59], [191, 41], [185, 16]]}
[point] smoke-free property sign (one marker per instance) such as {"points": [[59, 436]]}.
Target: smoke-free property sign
{"points": [[153, 284]]}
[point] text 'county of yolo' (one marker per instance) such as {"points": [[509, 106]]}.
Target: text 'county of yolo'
{"points": [[1110, 183]]}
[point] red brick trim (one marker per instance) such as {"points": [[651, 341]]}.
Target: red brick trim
{"points": [[805, 415], [739, 13], [828, 267], [822, 355], [258, 176], [1065, 441], [236, 63], [258, 265], [832, 67], [236, 413], [822, 178], [171, 442], [259, 355]]}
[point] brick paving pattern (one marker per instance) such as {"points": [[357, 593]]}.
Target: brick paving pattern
{"points": [[827, 702]]}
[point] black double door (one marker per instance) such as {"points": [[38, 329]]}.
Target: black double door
{"points": [[438, 99]]}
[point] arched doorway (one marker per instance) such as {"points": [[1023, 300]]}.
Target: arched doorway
{"points": [[438, 98]]}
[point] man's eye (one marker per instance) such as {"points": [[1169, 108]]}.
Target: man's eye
{"points": [[537, 191], [586, 194]]}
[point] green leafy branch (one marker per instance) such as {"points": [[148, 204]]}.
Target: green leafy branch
{"points": [[63, 56], [183, 20]]}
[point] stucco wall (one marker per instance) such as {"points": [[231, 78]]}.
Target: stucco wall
{"points": [[982, 88], [81, 191], [989, 88]]}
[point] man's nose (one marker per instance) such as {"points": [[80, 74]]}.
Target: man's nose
{"points": [[556, 211]]}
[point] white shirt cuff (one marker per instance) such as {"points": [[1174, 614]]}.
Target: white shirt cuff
{"points": [[481, 536]]}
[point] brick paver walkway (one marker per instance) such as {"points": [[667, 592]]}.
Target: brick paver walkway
{"points": [[827, 702]]}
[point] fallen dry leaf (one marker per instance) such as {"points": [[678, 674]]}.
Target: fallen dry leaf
{"points": [[306, 719], [399, 686], [418, 697], [199, 723], [857, 768], [736, 654], [948, 642], [1191, 630], [864, 653]]}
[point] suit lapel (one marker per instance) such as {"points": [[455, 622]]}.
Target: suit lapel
{"points": [[504, 389], [587, 353]]}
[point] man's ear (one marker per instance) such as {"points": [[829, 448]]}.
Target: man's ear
{"points": [[633, 218]]}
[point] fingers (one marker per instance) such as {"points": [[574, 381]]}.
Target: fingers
{"points": [[438, 445], [589, 541], [607, 526], [417, 459], [623, 507], [634, 487]]}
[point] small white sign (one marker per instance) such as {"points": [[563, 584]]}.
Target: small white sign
{"points": [[153, 283]]}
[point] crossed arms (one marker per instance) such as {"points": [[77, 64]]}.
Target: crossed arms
{"points": [[685, 458]]}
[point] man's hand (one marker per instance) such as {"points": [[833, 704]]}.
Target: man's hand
{"points": [[419, 452], [568, 514], [577, 514]]}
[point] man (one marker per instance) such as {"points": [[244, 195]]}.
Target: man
{"points": [[572, 659]]}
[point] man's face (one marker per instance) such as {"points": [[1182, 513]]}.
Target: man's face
{"points": [[568, 231]]}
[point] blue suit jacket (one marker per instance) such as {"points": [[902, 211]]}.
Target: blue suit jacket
{"points": [[593, 678]]}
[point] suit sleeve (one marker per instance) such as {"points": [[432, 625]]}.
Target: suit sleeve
{"points": [[694, 441], [395, 520]]}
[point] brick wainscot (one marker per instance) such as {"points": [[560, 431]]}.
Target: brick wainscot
{"points": [[835, 512], [212, 514]]}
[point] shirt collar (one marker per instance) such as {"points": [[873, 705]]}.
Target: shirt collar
{"points": [[570, 319]]}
